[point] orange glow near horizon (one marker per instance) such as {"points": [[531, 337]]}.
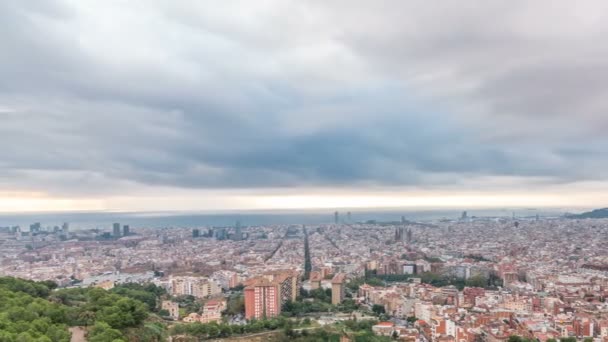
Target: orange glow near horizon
{"points": [[284, 200], [37, 202]]}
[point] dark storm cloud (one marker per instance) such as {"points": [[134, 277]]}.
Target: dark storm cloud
{"points": [[95, 98]]}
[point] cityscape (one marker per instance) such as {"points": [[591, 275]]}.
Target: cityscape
{"points": [[303, 171], [467, 278]]}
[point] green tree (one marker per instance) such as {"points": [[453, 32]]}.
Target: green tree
{"points": [[103, 332], [379, 309], [235, 305], [213, 331], [477, 281]]}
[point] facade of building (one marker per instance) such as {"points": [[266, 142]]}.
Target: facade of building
{"points": [[262, 299], [337, 288], [171, 307], [265, 295], [116, 230], [199, 287]]}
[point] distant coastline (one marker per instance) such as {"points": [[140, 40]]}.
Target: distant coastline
{"points": [[261, 217]]}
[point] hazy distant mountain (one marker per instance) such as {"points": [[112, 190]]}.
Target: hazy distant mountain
{"points": [[597, 213]]}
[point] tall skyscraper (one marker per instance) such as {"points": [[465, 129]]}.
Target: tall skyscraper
{"points": [[336, 217], [35, 227], [195, 233], [219, 233], [116, 230], [65, 227], [126, 230], [348, 217], [464, 215], [238, 234]]}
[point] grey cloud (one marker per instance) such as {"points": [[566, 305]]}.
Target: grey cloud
{"points": [[316, 94]]}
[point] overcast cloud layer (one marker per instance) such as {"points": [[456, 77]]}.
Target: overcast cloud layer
{"points": [[102, 97]]}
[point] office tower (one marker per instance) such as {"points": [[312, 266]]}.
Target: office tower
{"points": [[402, 219], [348, 217], [336, 217], [464, 215], [238, 235], [126, 230], [219, 233], [195, 233], [409, 235], [65, 227], [116, 230], [337, 288], [35, 227]]}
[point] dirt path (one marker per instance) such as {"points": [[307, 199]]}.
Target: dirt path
{"points": [[78, 334]]}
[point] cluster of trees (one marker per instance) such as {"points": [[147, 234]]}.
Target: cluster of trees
{"points": [[358, 331], [322, 295], [32, 311], [188, 304], [235, 305], [148, 294], [476, 257], [286, 329], [25, 314], [301, 308], [86, 306], [219, 330], [435, 279], [354, 284], [516, 338], [378, 309], [317, 300]]}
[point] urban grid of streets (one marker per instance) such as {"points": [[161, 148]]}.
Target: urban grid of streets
{"points": [[553, 272]]}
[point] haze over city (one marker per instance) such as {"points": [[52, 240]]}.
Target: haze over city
{"points": [[240, 105]]}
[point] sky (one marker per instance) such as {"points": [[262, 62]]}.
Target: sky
{"points": [[278, 104]]}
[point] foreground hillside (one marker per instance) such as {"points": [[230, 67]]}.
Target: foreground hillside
{"points": [[34, 311]]}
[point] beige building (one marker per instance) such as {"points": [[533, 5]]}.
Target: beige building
{"points": [[172, 307], [337, 288], [199, 287], [106, 285]]}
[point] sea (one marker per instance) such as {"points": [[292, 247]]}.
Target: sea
{"points": [[105, 219]]}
